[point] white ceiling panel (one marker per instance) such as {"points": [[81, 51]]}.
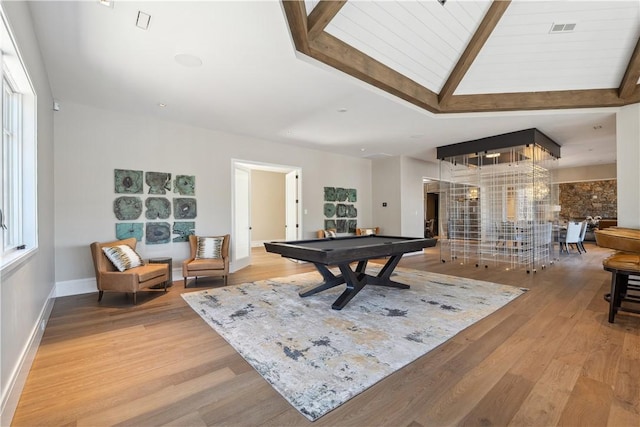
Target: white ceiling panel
{"points": [[522, 56], [310, 5], [421, 40]]}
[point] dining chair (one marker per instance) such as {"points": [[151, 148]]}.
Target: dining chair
{"points": [[571, 237], [583, 232]]}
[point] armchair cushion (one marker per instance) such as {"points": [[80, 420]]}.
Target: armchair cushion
{"points": [[209, 247], [122, 257], [206, 264]]}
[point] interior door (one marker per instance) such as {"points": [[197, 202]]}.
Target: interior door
{"points": [[292, 203], [241, 241]]}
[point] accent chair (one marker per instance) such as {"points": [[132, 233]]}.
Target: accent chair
{"points": [[209, 256], [135, 276]]}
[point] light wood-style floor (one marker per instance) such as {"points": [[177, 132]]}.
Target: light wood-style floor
{"points": [[548, 358]]}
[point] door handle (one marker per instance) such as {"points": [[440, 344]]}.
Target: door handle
{"points": [[2, 224]]}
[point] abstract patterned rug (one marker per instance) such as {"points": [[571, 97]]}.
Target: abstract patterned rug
{"points": [[318, 358]]}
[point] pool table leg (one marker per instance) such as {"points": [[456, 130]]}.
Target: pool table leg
{"points": [[330, 280], [355, 280], [384, 276]]}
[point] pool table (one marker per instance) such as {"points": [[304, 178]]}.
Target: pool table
{"points": [[342, 252]]}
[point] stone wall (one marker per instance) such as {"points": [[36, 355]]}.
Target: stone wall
{"points": [[581, 199]]}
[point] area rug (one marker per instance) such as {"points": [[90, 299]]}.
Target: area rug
{"points": [[318, 358]]}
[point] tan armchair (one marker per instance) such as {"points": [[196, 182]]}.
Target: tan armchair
{"points": [[108, 278], [216, 267], [367, 230]]}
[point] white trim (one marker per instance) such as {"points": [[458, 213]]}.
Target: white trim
{"points": [[76, 287], [18, 377], [87, 286], [16, 259], [236, 265], [573, 181], [260, 243]]}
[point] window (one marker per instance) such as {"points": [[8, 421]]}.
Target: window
{"points": [[18, 216], [11, 176]]}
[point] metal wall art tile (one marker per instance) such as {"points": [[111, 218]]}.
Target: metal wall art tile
{"points": [[127, 181]]}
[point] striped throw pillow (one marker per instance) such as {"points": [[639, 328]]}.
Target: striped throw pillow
{"points": [[209, 247], [329, 233], [122, 257]]}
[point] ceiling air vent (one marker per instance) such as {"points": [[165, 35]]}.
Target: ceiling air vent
{"points": [[562, 28]]}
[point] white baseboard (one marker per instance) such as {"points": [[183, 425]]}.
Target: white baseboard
{"points": [[76, 287], [86, 286], [18, 377]]}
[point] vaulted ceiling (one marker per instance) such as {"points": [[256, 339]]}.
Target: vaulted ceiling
{"points": [[365, 78], [482, 55]]}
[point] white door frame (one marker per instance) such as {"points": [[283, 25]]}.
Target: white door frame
{"points": [[271, 167]]}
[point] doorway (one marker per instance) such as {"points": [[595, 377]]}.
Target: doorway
{"points": [[431, 207], [242, 197]]}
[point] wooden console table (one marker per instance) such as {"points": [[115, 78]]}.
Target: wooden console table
{"points": [[169, 262]]}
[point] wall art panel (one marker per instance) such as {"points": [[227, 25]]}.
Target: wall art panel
{"points": [[157, 208], [185, 185], [158, 182], [184, 208], [127, 207], [339, 210], [157, 233], [183, 229], [128, 181], [126, 230]]}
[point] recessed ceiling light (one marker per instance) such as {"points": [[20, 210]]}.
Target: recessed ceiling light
{"points": [[143, 20], [161, 104], [107, 3], [362, 149], [492, 155], [188, 60], [342, 110]]}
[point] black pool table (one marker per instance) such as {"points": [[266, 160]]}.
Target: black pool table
{"points": [[342, 251]]}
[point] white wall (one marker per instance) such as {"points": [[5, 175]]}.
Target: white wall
{"points": [[584, 173], [25, 291], [91, 143], [268, 216], [628, 158], [398, 182], [385, 178], [412, 190]]}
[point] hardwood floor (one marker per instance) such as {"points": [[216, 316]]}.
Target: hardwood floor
{"points": [[548, 358]]}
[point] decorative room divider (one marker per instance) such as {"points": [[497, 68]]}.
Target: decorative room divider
{"points": [[497, 198]]}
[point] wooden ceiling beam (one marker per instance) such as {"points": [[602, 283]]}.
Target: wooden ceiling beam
{"points": [[296, 14], [630, 80], [480, 37], [339, 55], [564, 99], [321, 15]]}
